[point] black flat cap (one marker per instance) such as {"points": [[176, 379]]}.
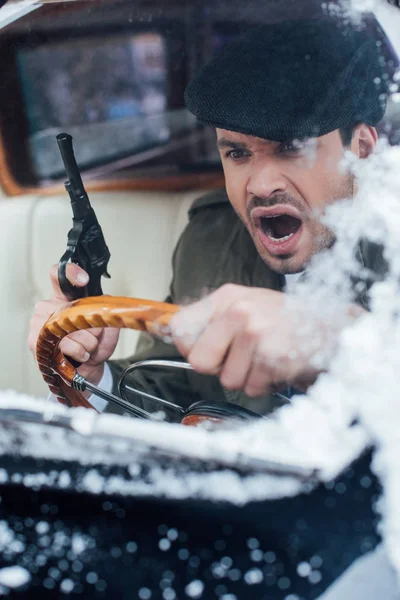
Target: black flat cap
{"points": [[294, 79]]}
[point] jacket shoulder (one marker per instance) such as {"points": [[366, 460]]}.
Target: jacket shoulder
{"points": [[211, 200]]}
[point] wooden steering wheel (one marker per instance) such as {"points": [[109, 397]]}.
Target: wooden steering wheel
{"points": [[97, 311], [120, 312]]}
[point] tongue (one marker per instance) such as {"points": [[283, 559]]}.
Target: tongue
{"points": [[281, 226]]}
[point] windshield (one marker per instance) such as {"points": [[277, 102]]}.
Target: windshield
{"points": [[246, 440]]}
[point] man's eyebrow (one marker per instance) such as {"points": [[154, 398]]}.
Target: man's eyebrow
{"points": [[225, 143]]}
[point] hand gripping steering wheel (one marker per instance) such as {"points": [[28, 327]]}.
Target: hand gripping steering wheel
{"points": [[121, 312]]}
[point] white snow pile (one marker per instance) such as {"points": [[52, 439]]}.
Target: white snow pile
{"points": [[364, 379], [14, 577]]}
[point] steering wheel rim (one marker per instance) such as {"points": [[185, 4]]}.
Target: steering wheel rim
{"points": [[87, 313]]}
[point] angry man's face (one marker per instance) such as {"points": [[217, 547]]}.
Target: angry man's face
{"points": [[281, 190]]}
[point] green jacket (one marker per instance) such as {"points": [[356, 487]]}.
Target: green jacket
{"points": [[215, 248]]}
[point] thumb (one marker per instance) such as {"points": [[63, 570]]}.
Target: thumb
{"points": [[75, 275]]}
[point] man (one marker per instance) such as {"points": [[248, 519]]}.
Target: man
{"points": [[287, 100]]}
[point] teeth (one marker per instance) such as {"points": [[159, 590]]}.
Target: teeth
{"points": [[282, 239]]}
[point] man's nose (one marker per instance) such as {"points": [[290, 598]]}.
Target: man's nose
{"points": [[265, 179]]}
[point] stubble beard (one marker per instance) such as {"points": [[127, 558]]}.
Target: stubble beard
{"points": [[322, 237]]}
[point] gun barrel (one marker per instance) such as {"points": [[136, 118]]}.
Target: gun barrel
{"points": [[74, 185]]}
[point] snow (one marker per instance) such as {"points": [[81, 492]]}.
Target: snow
{"points": [[369, 578], [14, 577], [365, 374], [194, 589], [10, 12], [253, 576], [67, 586]]}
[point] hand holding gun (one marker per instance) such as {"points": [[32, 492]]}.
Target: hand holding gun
{"points": [[86, 245]]}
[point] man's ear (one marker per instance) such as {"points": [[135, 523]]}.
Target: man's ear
{"points": [[364, 140]]}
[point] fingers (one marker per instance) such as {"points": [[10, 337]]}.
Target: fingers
{"points": [[213, 347], [226, 350], [225, 346], [240, 334], [189, 323], [35, 327], [209, 351], [260, 379], [203, 337], [231, 352], [79, 345], [273, 364], [84, 341], [92, 346], [238, 362], [75, 275], [42, 311]]}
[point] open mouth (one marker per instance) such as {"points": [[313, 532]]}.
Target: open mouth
{"points": [[280, 228]]}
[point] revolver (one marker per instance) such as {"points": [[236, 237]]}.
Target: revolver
{"points": [[86, 245]]}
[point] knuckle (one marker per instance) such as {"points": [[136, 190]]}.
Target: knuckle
{"points": [[276, 372], [240, 310], [90, 343], [66, 346], [250, 334], [256, 390], [197, 363], [258, 383], [182, 347], [39, 306], [267, 349], [79, 337], [54, 272], [35, 325], [112, 333], [227, 290], [32, 339], [202, 363], [230, 381], [81, 353], [71, 348], [44, 309]]}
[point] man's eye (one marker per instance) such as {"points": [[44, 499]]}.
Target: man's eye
{"points": [[235, 154], [291, 147]]}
